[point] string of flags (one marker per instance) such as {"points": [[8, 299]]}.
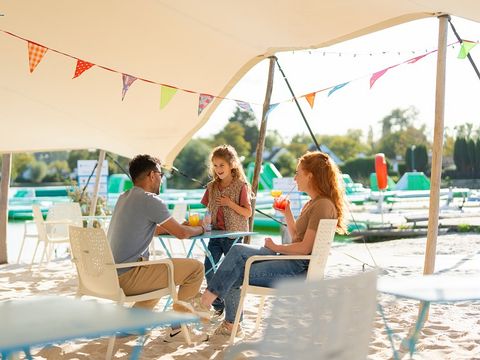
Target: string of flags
{"points": [[36, 52]]}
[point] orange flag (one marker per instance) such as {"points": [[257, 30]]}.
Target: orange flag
{"points": [[311, 98], [35, 54], [81, 67]]}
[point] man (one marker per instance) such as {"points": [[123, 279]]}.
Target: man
{"points": [[138, 216]]}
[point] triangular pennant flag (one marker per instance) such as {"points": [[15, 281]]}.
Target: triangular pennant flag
{"points": [[81, 67], [166, 94], [378, 74], [127, 81], [35, 54], [465, 49], [244, 105], [337, 87], [311, 99], [271, 107], [203, 101], [415, 59]]}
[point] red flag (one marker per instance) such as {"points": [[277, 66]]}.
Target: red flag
{"points": [[81, 67]]}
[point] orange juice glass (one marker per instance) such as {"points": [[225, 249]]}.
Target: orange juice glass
{"points": [[194, 219], [276, 193]]}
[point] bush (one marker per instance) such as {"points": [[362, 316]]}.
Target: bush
{"points": [[361, 167]]}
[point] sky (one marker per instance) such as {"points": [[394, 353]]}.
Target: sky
{"points": [[357, 106]]}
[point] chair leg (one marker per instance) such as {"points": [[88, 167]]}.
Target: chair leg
{"points": [[259, 314], [186, 334], [21, 249], [109, 353], [35, 252], [237, 315]]}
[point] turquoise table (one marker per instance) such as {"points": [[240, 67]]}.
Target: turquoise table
{"points": [[427, 289], [50, 320], [211, 235]]}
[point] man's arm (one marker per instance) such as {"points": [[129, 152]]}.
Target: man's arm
{"points": [[171, 226]]}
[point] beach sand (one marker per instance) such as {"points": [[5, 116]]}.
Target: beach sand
{"points": [[452, 331]]}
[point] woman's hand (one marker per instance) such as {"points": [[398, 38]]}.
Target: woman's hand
{"points": [[285, 206], [269, 244], [224, 201]]}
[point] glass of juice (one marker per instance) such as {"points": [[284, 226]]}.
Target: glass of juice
{"points": [[193, 219], [280, 202], [276, 193]]}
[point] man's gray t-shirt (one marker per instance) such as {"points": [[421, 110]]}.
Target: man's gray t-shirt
{"points": [[133, 224]]}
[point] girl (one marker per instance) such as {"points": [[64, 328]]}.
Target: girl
{"points": [[228, 200], [318, 176]]}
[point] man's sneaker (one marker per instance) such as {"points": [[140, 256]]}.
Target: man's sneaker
{"points": [[223, 330], [194, 306], [177, 335], [218, 312]]}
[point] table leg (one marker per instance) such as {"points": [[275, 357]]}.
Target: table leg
{"points": [[209, 256], [189, 254], [165, 247]]}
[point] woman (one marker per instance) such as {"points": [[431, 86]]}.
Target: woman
{"points": [[319, 177]]}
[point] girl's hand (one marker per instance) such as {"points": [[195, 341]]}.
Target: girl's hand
{"points": [[224, 201], [269, 244]]}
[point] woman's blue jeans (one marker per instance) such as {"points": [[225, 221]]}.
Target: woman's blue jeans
{"points": [[226, 282]]}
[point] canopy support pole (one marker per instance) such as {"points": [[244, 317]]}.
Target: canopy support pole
{"points": [[4, 187], [261, 140], [436, 172], [98, 173]]}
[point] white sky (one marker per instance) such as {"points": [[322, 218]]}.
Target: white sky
{"points": [[356, 106]]}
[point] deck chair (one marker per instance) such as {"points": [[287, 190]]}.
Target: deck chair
{"points": [[322, 320], [47, 235], [97, 272], [318, 260]]}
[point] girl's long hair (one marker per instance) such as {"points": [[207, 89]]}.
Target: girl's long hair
{"points": [[327, 181], [229, 154]]}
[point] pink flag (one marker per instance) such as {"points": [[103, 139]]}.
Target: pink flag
{"points": [[203, 101], [127, 81], [81, 67], [244, 105], [35, 54], [378, 74]]}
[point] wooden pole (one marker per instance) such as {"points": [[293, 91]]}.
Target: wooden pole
{"points": [[261, 139], [98, 173], [4, 186], [436, 172]]}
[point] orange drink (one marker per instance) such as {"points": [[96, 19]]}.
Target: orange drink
{"points": [[194, 219], [276, 193], [280, 202]]}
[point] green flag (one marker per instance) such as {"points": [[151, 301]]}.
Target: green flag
{"points": [[465, 49], [166, 94]]}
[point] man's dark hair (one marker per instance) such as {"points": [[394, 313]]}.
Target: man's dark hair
{"points": [[142, 164]]}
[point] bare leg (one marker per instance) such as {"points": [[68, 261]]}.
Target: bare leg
{"points": [[208, 298]]}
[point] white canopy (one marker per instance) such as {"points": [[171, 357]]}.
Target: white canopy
{"points": [[202, 47]]}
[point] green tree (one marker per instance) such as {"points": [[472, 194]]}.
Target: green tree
{"points": [[397, 142], [401, 118], [83, 154], [58, 171], [192, 161], [286, 164], [249, 123], [234, 134], [345, 146], [20, 163], [299, 144], [38, 171], [460, 155], [273, 140]]}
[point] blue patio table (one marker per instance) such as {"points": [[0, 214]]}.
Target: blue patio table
{"points": [[211, 235], [427, 289], [49, 320]]}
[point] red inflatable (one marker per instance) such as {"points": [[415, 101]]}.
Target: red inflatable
{"points": [[381, 171]]}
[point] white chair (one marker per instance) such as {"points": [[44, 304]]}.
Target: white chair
{"points": [[318, 260], [67, 211], [28, 232], [179, 213], [47, 237], [322, 320], [97, 272]]}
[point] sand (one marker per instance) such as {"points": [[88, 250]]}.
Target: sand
{"points": [[452, 331]]}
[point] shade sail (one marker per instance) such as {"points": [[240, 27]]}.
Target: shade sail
{"points": [[201, 47]]}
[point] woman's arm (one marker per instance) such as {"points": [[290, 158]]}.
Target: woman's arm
{"points": [[289, 219], [303, 247]]}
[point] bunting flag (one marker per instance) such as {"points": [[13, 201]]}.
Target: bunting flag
{"points": [[271, 108], [465, 49], [379, 74], [203, 101], [166, 94], [127, 81], [244, 106], [337, 87], [311, 99], [81, 67], [415, 59], [35, 54]]}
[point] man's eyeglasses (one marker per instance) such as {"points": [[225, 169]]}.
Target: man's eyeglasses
{"points": [[159, 172]]}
